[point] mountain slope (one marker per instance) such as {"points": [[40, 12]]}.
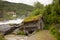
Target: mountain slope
{"points": [[19, 8]]}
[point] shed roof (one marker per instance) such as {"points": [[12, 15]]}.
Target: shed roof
{"points": [[32, 18]]}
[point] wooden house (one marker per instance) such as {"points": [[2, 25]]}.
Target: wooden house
{"points": [[32, 24]]}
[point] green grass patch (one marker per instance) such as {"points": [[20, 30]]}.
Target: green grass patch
{"points": [[20, 32], [2, 37]]}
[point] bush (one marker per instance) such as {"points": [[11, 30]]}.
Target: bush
{"points": [[54, 31], [46, 27]]}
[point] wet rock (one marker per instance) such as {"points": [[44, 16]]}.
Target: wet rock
{"points": [[4, 28]]}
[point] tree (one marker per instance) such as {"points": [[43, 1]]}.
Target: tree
{"points": [[38, 5], [56, 5], [52, 13], [38, 9]]}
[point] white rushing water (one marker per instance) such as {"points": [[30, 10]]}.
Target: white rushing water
{"points": [[15, 21]]}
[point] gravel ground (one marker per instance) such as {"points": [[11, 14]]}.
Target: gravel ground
{"points": [[15, 37]]}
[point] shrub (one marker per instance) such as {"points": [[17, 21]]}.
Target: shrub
{"points": [[46, 27], [54, 31]]}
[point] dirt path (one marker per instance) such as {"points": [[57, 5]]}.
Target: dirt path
{"points": [[42, 35]]}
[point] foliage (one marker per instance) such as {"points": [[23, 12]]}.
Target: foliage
{"points": [[19, 8], [38, 5], [52, 13], [38, 9], [37, 12], [54, 31]]}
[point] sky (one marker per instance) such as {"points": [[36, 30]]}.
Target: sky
{"points": [[31, 2]]}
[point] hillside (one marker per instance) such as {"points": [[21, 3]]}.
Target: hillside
{"points": [[19, 8]]}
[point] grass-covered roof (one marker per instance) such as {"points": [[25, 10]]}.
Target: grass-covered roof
{"points": [[32, 18]]}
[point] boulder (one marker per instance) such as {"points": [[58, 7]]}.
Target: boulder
{"points": [[4, 28]]}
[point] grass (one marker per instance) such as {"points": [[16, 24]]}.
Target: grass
{"points": [[31, 18], [20, 33], [2, 37]]}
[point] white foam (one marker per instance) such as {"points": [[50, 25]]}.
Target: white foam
{"points": [[16, 21]]}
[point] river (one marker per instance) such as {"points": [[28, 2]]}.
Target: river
{"points": [[15, 21]]}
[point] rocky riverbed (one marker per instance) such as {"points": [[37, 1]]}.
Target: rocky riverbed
{"points": [[16, 37]]}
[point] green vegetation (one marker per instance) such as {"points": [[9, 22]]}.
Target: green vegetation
{"points": [[31, 18], [20, 32], [2, 37], [50, 14], [54, 31], [19, 8], [37, 12]]}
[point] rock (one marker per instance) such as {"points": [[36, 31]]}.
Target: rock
{"points": [[15, 37], [4, 28]]}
